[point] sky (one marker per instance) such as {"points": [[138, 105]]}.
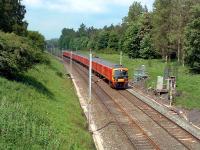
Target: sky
{"points": [[49, 17]]}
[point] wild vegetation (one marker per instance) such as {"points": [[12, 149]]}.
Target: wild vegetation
{"points": [[40, 110], [20, 49], [38, 105], [170, 30]]}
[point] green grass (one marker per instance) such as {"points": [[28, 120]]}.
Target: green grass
{"points": [[40, 110], [188, 84]]}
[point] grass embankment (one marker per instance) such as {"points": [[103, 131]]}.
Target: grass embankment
{"points": [[188, 84], [40, 110]]}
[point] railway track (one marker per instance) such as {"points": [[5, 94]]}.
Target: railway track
{"points": [[185, 138], [135, 134], [136, 131]]}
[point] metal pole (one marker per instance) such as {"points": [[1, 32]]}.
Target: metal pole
{"points": [[121, 58], [90, 89], [62, 54], [71, 63]]}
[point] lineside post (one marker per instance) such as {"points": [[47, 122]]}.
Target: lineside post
{"points": [[121, 58], [90, 90], [71, 63], [62, 54]]}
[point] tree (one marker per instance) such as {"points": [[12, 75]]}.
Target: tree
{"points": [[162, 24], [12, 13], [146, 48], [113, 41], [103, 38], [66, 38], [82, 31], [84, 42], [169, 21], [132, 40], [17, 54], [53, 43], [193, 40], [37, 39], [135, 10]]}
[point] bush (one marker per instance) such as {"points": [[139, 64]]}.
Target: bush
{"points": [[17, 54], [37, 39]]}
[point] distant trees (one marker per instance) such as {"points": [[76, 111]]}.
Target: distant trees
{"points": [[131, 44], [12, 13], [66, 38], [103, 38], [144, 34], [113, 41], [53, 43]]}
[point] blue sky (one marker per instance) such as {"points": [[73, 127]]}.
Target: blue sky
{"points": [[50, 16]]}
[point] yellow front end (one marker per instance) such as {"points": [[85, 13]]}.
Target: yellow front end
{"points": [[120, 78]]}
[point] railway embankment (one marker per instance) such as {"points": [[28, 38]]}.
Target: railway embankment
{"points": [[40, 110]]}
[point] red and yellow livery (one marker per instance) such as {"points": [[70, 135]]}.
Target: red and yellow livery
{"points": [[116, 75]]}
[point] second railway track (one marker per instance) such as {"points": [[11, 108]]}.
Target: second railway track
{"points": [[144, 127]]}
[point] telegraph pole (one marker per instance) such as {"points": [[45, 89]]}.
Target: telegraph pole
{"points": [[120, 57], [90, 90], [71, 63], [62, 54]]}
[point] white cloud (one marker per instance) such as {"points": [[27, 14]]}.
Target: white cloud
{"points": [[75, 6], [79, 6]]}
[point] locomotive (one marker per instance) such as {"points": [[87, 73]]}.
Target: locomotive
{"points": [[116, 75]]}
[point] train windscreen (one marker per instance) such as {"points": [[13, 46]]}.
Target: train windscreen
{"points": [[121, 74]]}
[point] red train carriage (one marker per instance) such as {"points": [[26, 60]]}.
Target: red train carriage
{"points": [[117, 75]]}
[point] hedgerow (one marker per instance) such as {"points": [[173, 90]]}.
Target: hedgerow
{"points": [[17, 54]]}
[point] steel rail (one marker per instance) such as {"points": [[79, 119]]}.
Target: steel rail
{"points": [[153, 144]]}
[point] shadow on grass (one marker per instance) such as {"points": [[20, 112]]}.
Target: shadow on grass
{"points": [[57, 71], [32, 82]]}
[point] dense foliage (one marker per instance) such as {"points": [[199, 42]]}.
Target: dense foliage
{"points": [[193, 40], [142, 34], [35, 112], [12, 13], [37, 39], [19, 49], [17, 54]]}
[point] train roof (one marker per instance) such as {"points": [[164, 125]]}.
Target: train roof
{"points": [[102, 61]]}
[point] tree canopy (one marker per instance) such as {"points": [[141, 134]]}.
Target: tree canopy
{"points": [[12, 14], [142, 33], [192, 46], [19, 49]]}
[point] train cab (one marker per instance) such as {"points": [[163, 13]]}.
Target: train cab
{"points": [[120, 77]]}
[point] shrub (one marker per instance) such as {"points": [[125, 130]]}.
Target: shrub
{"points": [[37, 39], [17, 54]]}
